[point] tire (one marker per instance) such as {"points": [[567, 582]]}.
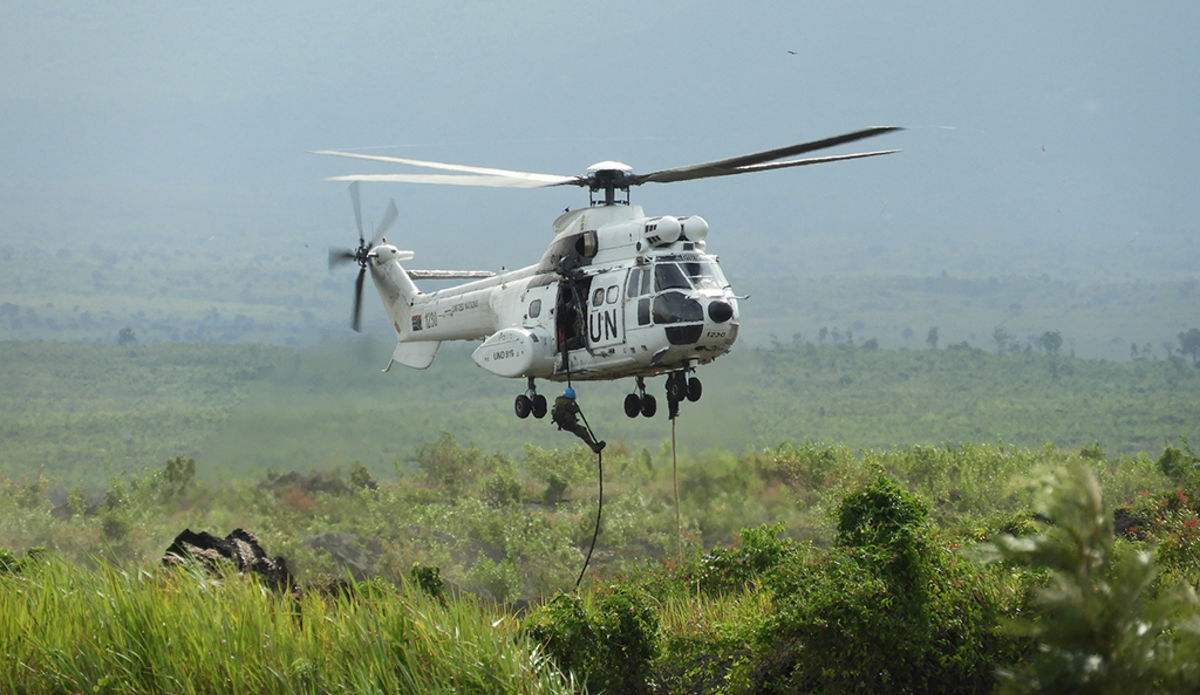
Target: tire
{"points": [[522, 406], [539, 406], [649, 406], [676, 387], [694, 389], [633, 405]]}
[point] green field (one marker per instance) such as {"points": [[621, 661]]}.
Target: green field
{"points": [[80, 413], [830, 497]]}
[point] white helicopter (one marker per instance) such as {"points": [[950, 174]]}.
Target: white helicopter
{"points": [[617, 294]]}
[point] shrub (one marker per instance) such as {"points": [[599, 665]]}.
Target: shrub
{"points": [[429, 580], [887, 610], [760, 551], [611, 645], [1098, 626], [1180, 465]]}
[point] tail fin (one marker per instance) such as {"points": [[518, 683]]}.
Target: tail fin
{"points": [[417, 354], [398, 292]]}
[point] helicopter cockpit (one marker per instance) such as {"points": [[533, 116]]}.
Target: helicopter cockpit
{"points": [[671, 291]]}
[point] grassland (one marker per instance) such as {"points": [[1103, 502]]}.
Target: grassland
{"points": [[81, 413], [351, 475]]}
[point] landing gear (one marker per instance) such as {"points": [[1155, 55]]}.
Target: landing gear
{"points": [[681, 385], [530, 403], [640, 403]]}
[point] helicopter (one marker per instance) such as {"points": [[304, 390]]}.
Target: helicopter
{"points": [[617, 293]]}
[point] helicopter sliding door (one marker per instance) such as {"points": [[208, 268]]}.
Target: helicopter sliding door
{"points": [[606, 315], [571, 314]]}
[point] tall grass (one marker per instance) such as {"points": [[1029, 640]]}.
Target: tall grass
{"points": [[69, 629]]}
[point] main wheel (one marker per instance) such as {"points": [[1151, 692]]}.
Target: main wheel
{"points": [[633, 405], [649, 405], [539, 406], [694, 389], [676, 387], [522, 406]]}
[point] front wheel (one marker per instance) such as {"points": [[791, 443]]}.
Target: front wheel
{"points": [[694, 390], [539, 406], [649, 405], [633, 405], [522, 406]]}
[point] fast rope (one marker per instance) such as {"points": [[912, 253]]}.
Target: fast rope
{"points": [[599, 501], [675, 484]]}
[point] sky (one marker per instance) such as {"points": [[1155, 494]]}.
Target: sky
{"points": [[1040, 138]]}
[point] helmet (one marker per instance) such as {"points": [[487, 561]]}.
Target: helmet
{"points": [[569, 392]]}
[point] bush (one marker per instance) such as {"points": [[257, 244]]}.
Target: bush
{"points": [[1099, 628], [761, 550], [1180, 465], [887, 610], [611, 646]]}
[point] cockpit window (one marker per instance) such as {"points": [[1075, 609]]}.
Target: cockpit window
{"points": [[635, 279], [676, 307], [704, 275], [669, 276]]}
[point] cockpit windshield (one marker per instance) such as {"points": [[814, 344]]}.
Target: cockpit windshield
{"points": [[669, 276], [704, 275], [701, 275]]}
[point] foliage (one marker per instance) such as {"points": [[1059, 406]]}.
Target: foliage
{"points": [[1180, 464], [429, 580], [111, 630], [761, 550], [885, 611], [1099, 627], [82, 413], [609, 644]]}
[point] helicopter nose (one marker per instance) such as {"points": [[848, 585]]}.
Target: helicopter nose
{"points": [[719, 311]]}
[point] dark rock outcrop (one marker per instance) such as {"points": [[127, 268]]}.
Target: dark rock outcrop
{"points": [[240, 549]]}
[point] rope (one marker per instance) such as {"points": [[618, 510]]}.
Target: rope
{"points": [[599, 500], [599, 508], [675, 482]]}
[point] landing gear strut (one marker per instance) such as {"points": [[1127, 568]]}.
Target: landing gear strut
{"points": [[640, 403], [530, 402], [681, 384]]}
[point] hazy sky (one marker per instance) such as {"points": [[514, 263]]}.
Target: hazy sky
{"points": [[1062, 133]]}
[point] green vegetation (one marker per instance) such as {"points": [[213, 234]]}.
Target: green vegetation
{"points": [[813, 553], [68, 629], [907, 570], [83, 413]]}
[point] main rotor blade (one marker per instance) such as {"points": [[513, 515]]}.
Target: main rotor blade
{"points": [[389, 218], [540, 179], [467, 180], [354, 199], [358, 288], [767, 166], [748, 162], [339, 257]]}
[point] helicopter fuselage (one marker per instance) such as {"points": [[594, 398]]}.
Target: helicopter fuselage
{"points": [[616, 294]]}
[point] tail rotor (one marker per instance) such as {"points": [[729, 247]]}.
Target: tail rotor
{"points": [[362, 254]]}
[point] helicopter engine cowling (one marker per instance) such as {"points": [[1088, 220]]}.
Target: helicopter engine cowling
{"points": [[694, 228], [514, 352], [662, 231]]}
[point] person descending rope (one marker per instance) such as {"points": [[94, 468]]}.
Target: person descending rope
{"points": [[565, 414]]}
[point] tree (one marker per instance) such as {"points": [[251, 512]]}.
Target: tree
{"points": [[1051, 342], [931, 338], [126, 336], [1002, 338], [1189, 344]]}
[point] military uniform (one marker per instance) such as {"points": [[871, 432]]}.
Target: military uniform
{"points": [[565, 414]]}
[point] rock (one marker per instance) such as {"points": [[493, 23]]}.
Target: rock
{"points": [[239, 549]]}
